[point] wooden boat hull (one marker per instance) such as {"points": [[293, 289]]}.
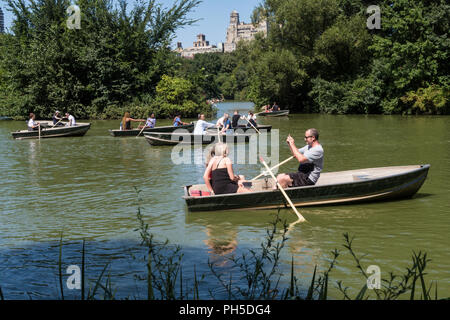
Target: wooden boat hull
{"points": [[242, 129], [47, 132], [402, 182], [135, 132], [170, 139], [280, 113]]}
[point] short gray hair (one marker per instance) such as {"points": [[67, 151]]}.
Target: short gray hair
{"points": [[314, 133]]}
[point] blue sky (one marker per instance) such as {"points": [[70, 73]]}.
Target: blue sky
{"points": [[214, 15]]}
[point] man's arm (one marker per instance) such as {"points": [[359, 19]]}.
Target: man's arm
{"points": [[297, 154]]}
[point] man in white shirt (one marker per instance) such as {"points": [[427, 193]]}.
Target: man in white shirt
{"points": [[202, 125], [71, 119], [311, 162]]}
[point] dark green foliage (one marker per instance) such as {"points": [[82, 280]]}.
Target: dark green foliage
{"points": [[319, 56], [117, 58]]}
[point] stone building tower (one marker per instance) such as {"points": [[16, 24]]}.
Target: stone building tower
{"points": [[232, 32], [238, 30]]}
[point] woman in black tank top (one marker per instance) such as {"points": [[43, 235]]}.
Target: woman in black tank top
{"points": [[222, 180]]}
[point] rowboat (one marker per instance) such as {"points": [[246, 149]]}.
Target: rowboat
{"points": [[135, 132], [278, 113], [5, 118], [241, 129], [170, 139], [332, 188], [47, 131]]}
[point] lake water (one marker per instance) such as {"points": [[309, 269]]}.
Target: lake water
{"points": [[85, 188]]}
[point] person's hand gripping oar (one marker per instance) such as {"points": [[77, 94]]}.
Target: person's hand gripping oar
{"points": [[252, 125], [274, 167]]}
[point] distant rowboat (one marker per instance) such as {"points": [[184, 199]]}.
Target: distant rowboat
{"points": [[170, 139], [135, 132], [260, 127], [342, 187], [47, 131], [279, 113]]}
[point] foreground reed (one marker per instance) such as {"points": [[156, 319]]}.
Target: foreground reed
{"points": [[259, 275]]}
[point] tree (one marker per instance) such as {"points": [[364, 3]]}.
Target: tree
{"points": [[117, 56]]}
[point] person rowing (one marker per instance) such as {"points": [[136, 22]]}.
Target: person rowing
{"points": [[202, 125], [251, 118], [150, 123], [177, 121], [57, 118], [310, 158], [32, 125]]}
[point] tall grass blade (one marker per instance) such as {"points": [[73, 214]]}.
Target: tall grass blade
{"points": [[309, 296], [82, 270], [361, 293], [181, 283], [97, 284], [291, 287], [60, 268], [150, 293]]}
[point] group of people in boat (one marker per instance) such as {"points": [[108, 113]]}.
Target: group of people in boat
{"points": [[274, 107], [220, 178], [57, 121], [150, 122], [224, 123]]}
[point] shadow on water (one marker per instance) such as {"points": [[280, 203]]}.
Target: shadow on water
{"points": [[125, 261]]}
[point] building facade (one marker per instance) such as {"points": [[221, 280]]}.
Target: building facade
{"points": [[199, 46], [238, 31], [2, 21]]}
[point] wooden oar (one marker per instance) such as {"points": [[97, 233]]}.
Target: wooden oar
{"points": [[300, 217], [252, 125], [39, 128], [218, 134], [141, 131], [274, 167], [57, 123]]}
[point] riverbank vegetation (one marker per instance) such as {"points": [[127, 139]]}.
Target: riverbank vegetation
{"points": [[318, 57]]}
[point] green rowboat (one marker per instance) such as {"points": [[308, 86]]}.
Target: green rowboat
{"points": [[333, 188]]}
